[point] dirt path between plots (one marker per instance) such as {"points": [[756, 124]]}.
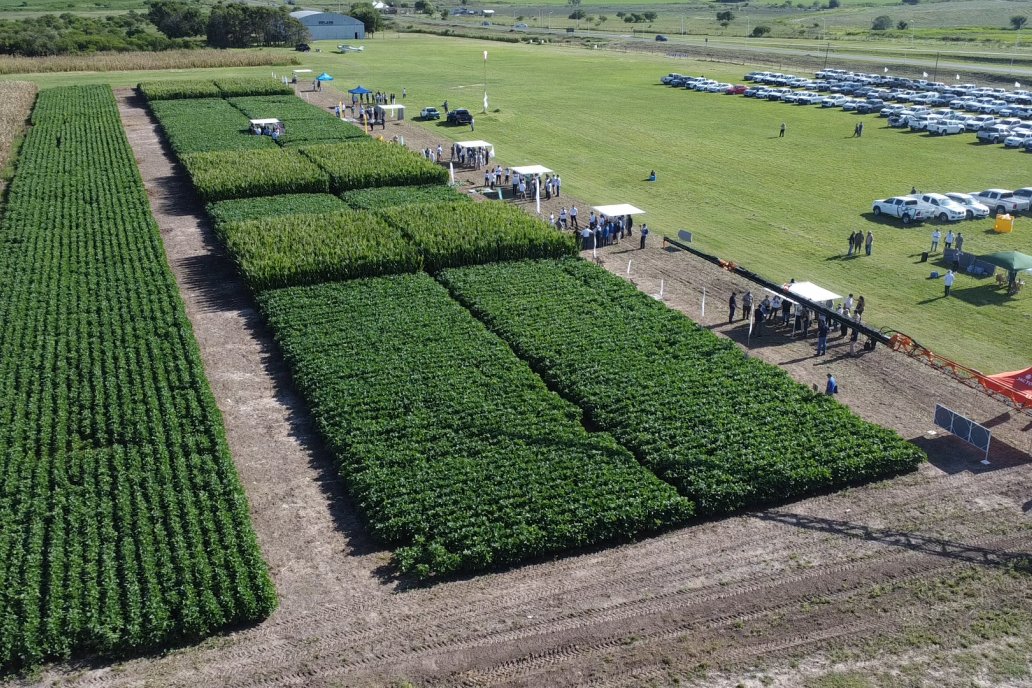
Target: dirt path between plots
{"points": [[725, 593]]}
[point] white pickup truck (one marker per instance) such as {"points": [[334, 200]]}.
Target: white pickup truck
{"points": [[1002, 201], [905, 208]]}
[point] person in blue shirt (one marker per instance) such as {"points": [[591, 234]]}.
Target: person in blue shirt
{"points": [[644, 233], [832, 387]]}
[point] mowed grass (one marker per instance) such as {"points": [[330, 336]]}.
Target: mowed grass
{"points": [[780, 207]]}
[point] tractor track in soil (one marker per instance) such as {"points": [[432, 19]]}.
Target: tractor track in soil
{"points": [[343, 621]]}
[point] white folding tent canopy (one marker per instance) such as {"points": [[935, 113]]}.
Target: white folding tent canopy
{"points": [[476, 144], [531, 169], [393, 111], [619, 209], [302, 71], [263, 122], [814, 293]]}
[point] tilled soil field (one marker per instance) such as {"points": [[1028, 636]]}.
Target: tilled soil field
{"points": [[866, 579]]}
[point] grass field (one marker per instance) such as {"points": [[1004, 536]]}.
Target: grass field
{"points": [[781, 207]]}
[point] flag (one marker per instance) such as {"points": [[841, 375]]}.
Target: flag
{"points": [[485, 56], [485, 101], [1017, 84], [958, 77], [537, 196], [924, 74], [451, 172], [885, 69]]}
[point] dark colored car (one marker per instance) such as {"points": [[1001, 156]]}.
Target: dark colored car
{"points": [[302, 47], [660, 37], [460, 116]]}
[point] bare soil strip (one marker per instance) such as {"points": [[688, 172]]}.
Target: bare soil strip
{"points": [[725, 593]]}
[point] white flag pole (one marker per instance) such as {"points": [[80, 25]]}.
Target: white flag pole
{"points": [[628, 268], [704, 302], [537, 196], [485, 82], [451, 171], [748, 337]]}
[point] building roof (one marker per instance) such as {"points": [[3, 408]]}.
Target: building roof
{"points": [[304, 13]]}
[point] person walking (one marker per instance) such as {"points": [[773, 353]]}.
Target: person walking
{"points": [[869, 242], [732, 304], [854, 335], [644, 234], [860, 130], [472, 124], [831, 388], [746, 304], [936, 235], [960, 241], [947, 282], [856, 130], [782, 132]]}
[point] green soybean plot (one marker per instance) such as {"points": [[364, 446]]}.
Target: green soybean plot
{"points": [[728, 431], [123, 525], [457, 453]]}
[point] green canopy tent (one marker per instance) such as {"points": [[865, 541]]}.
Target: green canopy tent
{"points": [[1011, 261]]}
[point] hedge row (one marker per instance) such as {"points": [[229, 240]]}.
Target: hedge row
{"points": [[352, 167], [222, 175], [273, 206], [290, 250], [453, 234], [206, 124], [456, 452], [391, 196], [729, 431], [123, 525]]}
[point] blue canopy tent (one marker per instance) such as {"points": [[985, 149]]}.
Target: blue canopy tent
{"points": [[359, 91], [324, 77]]}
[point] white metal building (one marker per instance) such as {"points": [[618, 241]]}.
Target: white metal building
{"points": [[330, 26]]}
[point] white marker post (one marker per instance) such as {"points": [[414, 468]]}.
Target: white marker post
{"points": [[704, 302], [629, 268]]}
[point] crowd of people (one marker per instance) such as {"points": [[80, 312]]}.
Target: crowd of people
{"points": [[792, 316], [472, 158], [599, 231]]}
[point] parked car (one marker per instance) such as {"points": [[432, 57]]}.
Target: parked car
{"points": [[907, 209], [302, 47], [661, 38], [835, 100], [735, 90], [428, 113], [1024, 192], [1018, 137], [979, 121], [941, 127], [460, 116], [973, 208], [946, 209], [1002, 200], [994, 133]]}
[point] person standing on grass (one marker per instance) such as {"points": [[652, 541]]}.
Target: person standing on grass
{"points": [[558, 184], [936, 235], [960, 241], [586, 239], [947, 282], [573, 218], [869, 242], [781, 134], [860, 130], [758, 321], [860, 306], [732, 304], [831, 388], [852, 243], [949, 238]]}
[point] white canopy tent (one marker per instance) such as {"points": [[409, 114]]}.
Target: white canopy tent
{"points": [[267, 125], [531, 169], [618, 209], [814, 293], [392, 111], [477, 144], [302, 71]]}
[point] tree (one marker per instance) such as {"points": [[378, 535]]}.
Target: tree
{"points": [[725, 16], [902, 25], [881, 23], [424, 6], [239, 25], [628, 18], [1018, 21], [444, 13], [368, 15], [911, 2], [577, 14], [649, 16], [834, 4], [602, 19], [175, 19], [760, 31], [573, 3]]}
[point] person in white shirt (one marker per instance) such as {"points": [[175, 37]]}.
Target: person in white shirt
{"points": [[947, 282]]}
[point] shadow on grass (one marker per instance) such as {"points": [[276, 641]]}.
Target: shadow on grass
{"points": [[887, 221], [983, 295], [952, 455]]}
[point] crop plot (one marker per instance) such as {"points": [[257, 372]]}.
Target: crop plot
{"points": [[122, 522]]}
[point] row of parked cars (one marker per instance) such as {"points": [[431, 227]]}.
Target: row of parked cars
{"points": [[953, 206], [995, 115]]}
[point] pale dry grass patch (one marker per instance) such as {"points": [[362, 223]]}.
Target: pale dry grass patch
{"points": [[129, 61], [16, 99]]}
